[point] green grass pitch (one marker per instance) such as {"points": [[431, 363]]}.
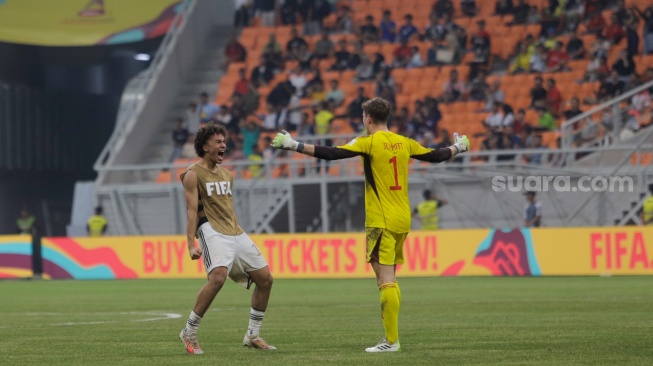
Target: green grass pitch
{"points": [[443, 321]]}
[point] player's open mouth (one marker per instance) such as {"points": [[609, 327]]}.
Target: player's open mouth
{"points": [[221, 154]]}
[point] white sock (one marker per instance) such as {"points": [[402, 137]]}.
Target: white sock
{"points": [[255, 322], [193, 323]]}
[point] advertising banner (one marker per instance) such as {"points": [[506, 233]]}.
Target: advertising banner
{"points": [[15, 256], [477, 252], [84, 22]]}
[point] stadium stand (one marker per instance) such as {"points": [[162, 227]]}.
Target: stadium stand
{"points": [[600, 120], [573, 77]]}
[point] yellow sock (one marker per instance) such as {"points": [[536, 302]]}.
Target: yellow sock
{"points": [[398, 291], [390, 311]]}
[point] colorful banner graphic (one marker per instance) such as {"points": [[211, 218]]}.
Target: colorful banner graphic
{"points": [[84, 22], [514, 252], [16, 256]]}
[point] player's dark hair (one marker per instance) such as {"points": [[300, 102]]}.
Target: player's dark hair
{"points": [[378, 109], [205, 133], [426, 194], [650, 188]]}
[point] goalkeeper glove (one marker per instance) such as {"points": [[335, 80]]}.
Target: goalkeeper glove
{"points": [[460, 143], [283, 140]]}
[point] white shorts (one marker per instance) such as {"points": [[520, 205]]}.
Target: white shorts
{"points": [[238, 253]]}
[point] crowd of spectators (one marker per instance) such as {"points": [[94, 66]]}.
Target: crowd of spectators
{"points": [[304, 103]]}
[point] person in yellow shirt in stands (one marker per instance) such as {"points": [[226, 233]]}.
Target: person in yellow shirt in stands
{"points": [[96, 225], [647, 208], [427, 211]]}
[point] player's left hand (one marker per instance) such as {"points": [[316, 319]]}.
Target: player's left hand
{"points": [[195, 253], [283, 140]]}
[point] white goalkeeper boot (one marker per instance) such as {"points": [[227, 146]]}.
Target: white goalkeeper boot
{"points": [[384, 346]]}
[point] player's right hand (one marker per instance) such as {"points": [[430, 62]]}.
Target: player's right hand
{"points": [[195, 253], [461, 142], [283, 140]]}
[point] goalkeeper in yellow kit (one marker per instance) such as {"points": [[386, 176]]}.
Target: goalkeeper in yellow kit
{"points": [[385, 157]]}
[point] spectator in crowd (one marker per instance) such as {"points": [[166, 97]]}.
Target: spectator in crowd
{"points": [[595, 24], [503, 8], [288, 12], [415, 59], [272, 51], [573, 111], [401, 54], [557, 58], [26, 223], [632, 38], [193, 119], [522, 61], [256, 161], [615, 31], [242, 85], [538, 60], [468, 7], [241, 16], [454, 88], [553, 97], [624, 66], [251, 131], [342, 56], [508, 117], [323, 119], [532, 211], [224, 117], [647, 16], [294, 44], [364, 71], [335, 94], [313, 13], [520, 123], [494, 94], [408, 30], [207, 109], [179, 138], [480, 44], [355, 109], [443, 7], [265, 9], [545, 120], [436, 30], [432, 53], [263, 73], [384, 80], [575, 47], [536, 143], [614, 85], [96, 225], [494, 120], [281, 93], [324, 47], [305, 126], [369, 32], [276, 119], [388, 28], [538, 93], [597, 69], [344, 22], [478, 88], [233, 52], [533, 16], [521, 12]]}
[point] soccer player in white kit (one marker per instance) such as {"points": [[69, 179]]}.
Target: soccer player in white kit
{"points": [[225, 248]]}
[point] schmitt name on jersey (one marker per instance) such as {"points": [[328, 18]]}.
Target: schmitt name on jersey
{"points": [[392, 146], [219, 188]]}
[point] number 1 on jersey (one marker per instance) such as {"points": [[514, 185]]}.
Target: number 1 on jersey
{"points": [[396, 187]]}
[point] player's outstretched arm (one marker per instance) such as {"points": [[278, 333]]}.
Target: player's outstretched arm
{"points": [[284, 141], [460, 145], [190, 193]]}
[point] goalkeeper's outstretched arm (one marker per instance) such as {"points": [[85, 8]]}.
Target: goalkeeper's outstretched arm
{"points": [[283, 140]]}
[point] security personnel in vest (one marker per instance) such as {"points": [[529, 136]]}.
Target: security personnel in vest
{"points": [[97, 224], [647, 208], [427, 211]]}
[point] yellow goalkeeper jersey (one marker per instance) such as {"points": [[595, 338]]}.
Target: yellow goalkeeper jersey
{"points": [[385, 157]]}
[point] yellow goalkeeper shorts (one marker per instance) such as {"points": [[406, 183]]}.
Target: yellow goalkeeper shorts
{"points": [[385, 246]]}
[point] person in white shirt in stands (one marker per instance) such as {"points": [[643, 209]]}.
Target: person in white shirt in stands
{"points": [[494, 120]]}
